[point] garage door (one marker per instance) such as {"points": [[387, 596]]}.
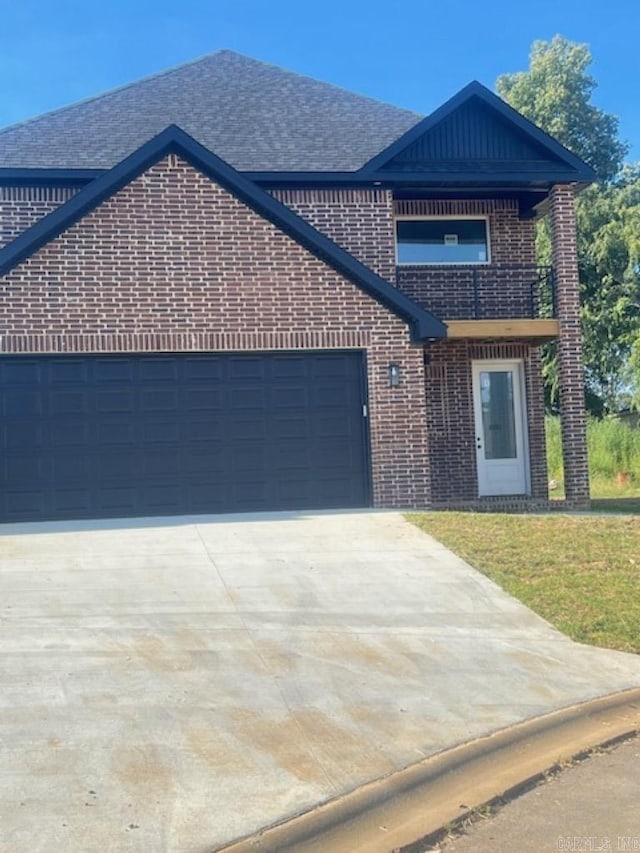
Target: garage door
{"points": [[106, 436]]}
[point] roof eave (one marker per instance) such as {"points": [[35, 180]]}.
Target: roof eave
{"points": [[285, 179], [174, 140]]}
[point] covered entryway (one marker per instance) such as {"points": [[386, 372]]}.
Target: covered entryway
{"points": [[501, 444], [125, 435]]}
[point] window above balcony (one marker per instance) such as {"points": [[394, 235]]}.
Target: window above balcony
{"points": [[442, 240]]}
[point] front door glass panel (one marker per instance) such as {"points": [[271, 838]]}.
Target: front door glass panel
{"points": [[498, 414]]}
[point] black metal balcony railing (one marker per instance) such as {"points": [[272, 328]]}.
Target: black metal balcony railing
{"points": [[494, 292]]}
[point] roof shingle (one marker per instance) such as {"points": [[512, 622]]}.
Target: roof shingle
{"points": [[255, 116]]}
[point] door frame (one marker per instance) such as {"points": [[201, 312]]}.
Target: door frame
{"points": [[521, 417]]}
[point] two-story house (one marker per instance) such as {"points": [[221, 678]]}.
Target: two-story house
{"points": [[228, 287]]}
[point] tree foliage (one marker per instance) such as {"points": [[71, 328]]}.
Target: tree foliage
{"points": [[556, 94], [608, 246]]}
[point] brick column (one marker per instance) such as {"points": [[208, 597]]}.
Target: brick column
{"points": [[570, 368]]}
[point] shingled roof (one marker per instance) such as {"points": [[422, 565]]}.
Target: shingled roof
{"points": [[255, 116]]}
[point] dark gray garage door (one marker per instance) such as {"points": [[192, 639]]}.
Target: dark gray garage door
{"points": [[105, 436]]}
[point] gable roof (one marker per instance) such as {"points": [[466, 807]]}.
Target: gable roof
{"points": [[255, 116], [476, 134], [174, 140]]}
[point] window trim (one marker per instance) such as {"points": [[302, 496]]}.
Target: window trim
{"points": [[482, 217]]}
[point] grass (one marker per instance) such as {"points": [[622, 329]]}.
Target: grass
{"points": [[609, 496], [614, 449], [614, 464], [581, 573]]}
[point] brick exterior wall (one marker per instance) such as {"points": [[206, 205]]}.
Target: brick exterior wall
{"points": [[359, 220], [22, 207], [570, 367], [450, 417], [199, 272], [173, 262], [449, 291]]}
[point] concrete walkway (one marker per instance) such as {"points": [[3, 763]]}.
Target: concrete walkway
{"points": [[170, 686]]}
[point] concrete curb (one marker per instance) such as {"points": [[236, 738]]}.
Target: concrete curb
{"points": [[415, 803]]}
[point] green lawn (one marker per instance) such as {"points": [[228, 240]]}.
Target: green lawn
{"points": [[608, 495], [581, 573]]}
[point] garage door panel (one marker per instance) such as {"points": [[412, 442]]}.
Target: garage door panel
{"points": [[157, 369], [69, 501], [330, 395], [244, 428], [163, 463], [113, 369], [290, 428], [250, 493], [247, 399], [154, 431], [23, 404], [116, 500], [68, 432], [71, 403], [332, 426], [294, 491], [158, 400], [199, 429], [295, 396], [87, 436], [204, 399], [162, 496], [245, 456], [291, 367], [68, 372], [246, 368], [22, 434], [19, 470], [19, 504], [331, 368], [20, 371], [114, 432], [115, 402], [71, 467], [120, 464], [204, 368]]}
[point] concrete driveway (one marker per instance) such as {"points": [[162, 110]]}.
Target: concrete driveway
{"points": [[171, 685]]}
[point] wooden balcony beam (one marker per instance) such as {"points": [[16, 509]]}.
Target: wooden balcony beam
{"points": [[538, 330]]}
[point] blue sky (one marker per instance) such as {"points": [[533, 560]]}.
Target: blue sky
{"points": [[414, 53]]}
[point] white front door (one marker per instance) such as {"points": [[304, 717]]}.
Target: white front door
{"points": [[501, 445]]}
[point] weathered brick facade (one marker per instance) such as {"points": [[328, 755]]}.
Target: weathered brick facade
{"points": [[173, 262]]}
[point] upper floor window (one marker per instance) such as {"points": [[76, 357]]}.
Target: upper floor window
{"points": [[442, 241]]}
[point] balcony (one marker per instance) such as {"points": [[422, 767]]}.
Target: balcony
{"points": [[497, 300]]}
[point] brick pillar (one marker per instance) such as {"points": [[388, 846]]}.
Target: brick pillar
{"points": [[570, 368]]}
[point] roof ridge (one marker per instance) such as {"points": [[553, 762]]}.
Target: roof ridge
{"points": [[220, 52]]}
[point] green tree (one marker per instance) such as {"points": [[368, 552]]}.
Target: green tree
{"points": [[555, 93], [608, 246]]}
